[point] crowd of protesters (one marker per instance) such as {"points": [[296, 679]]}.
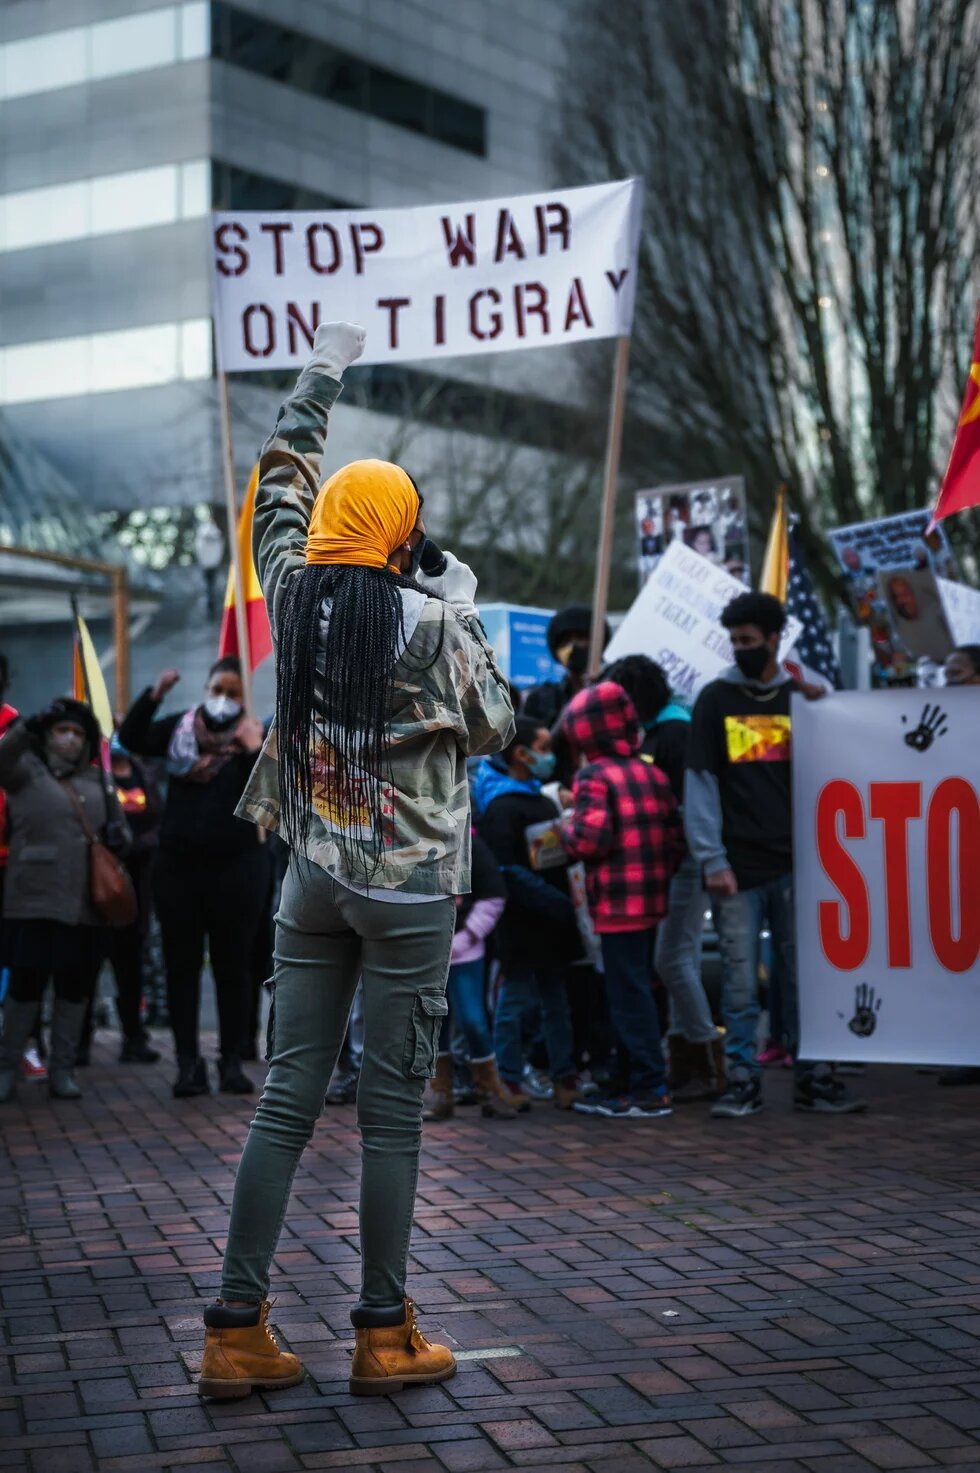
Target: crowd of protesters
{"points": [[677, 832]]}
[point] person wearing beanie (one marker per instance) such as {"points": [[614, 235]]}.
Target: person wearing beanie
{"points": [[569, 638], [209, 871], [48, 767]]}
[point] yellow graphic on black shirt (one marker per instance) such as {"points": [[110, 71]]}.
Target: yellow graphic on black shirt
{"points": [[757, 738]]}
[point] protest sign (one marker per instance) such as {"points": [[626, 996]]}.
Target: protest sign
{"points": [[887, 871], [437, 281], [708, 516], [962, 605], [892, 542], [675, 618], [520, 642], [916, 610]]}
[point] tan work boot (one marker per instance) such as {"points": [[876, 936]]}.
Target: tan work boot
{"points": [[568, 1092], [388, 1358], [495, 1101], [437, 1102], [241, 1354], [697, 1070]]}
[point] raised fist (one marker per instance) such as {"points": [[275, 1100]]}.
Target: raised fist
{"points": [[335, 346], [165, 684]]}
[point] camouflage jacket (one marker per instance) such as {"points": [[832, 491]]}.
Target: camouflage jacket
{"points": [[442, 712]]}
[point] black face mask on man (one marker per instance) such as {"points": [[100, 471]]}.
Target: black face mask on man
{"points": [[753, 661]]}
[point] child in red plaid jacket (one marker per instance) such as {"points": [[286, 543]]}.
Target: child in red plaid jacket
{"points": [[625, 826]]}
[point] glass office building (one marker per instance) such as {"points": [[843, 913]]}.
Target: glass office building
{"points": [[123, 123]]}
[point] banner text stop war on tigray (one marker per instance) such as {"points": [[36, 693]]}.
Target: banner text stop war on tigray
{"points": [[435, 281]]}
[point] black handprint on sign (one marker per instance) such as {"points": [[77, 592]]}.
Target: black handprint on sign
{"points": [[932, 724], [866, 1011]]}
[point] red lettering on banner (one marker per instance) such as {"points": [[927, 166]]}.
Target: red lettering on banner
{"points": [[440, 306], [845, 951], [616, 278], [277, 229], [894, 804], [241, 257], [393, 306], [948, 874], [366, 239], [313, 253], [523, 308], [496, 320], [509, 242], [296, 324], [255, 313], [578, 307], [560, 226], [460, 240]]}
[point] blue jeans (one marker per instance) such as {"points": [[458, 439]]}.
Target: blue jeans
{"points": [[739, 920], [467, 1009], [521, 988], [627, 957], [677, 956]]}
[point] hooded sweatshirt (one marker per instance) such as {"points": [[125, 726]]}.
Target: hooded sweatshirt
{"points": [[625, 825], [737, 787]]}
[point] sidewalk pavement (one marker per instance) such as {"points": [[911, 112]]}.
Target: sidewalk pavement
{"points": [[779, 1293]]}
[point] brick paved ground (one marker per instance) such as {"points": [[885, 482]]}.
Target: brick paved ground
{"points": [[780, 1294]]}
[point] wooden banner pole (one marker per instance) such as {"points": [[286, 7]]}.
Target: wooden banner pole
{"points": [[607, 521], [238, 574]]}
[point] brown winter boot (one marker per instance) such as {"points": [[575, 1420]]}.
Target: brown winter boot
{"points": [[568, 1093], [437, 1102], [495, 1102], [241, 1354], [388, 1358]]}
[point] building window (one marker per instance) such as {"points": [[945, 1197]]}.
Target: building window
{"points": [[99, 362], [108, 48], [309, 65], [105, 205], [241, 189]]}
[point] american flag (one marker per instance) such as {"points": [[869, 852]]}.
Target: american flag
{"points": [[813, 651]]}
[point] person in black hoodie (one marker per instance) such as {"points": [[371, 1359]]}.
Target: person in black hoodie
{"points": [[538, 935], [209, 874]]}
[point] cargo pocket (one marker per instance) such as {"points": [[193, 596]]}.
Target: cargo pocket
{"points": [[422, 1043]]}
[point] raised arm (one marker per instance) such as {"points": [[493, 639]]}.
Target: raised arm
{"points": [[289, 465]]}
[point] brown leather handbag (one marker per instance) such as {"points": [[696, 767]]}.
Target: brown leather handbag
{"points": [[110, 888]]}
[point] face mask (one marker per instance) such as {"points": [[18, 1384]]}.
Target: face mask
{"points": [[221, 708], [753, 661], [542, 765]]}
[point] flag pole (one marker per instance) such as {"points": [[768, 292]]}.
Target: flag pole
{"points": [[238, 576], [607, 521]]}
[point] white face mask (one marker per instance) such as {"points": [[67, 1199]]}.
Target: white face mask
{"points": [[222, 708]]}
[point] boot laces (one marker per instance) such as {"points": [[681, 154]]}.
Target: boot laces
{"points": [[268, 1329], [416, 1335]]}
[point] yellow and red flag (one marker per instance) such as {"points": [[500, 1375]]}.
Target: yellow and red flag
{"points": [[88, 682], [775, 565], [961, 483], [256, 614]]}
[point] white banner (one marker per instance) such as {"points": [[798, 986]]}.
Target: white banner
{"points": [[675, 618], [887, 870], [962, 605], [437, 281]]}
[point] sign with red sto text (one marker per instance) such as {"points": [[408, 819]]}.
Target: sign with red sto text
{"points": [[886, 820], [437, 281]]}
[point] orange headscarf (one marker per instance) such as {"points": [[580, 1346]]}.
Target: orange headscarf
{"points": [[364, 511]]}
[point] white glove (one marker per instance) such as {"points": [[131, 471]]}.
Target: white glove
{"points": [[457, 586], [336, 345]]}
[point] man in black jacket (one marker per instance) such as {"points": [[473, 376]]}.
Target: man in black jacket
{"points": [[537, 936]]}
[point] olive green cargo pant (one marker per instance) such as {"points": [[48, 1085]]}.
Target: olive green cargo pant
{"points": [[326, 938]]}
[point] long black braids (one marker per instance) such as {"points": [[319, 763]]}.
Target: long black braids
{"points": [[333, 701]]}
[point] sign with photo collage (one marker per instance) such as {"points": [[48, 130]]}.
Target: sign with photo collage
{"points": [[709, 517]]}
